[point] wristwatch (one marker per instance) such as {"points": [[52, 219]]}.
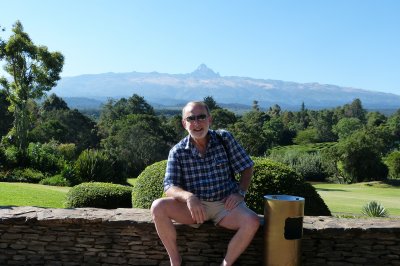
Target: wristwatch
{"points": [[242, 192]]}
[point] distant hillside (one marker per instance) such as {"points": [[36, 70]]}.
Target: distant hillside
{"points": [[176, 89]]}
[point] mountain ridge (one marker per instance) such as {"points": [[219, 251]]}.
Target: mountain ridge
{"points": [[166, 89]]}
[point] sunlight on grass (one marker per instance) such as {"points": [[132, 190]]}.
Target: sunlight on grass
{"points": [[343, 198], [22, 194]]}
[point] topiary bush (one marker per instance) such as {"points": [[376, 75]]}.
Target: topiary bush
{"points": [[99, 195], [149, 185], [269, 178], [272, 178]]}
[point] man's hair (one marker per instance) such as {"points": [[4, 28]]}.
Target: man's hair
{"points": [[192, 103]]}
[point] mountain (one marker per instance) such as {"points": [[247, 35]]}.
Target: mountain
{"points": [[173, 89]]}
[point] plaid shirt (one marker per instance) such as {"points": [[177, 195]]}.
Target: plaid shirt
{"points": [[207, 177]]}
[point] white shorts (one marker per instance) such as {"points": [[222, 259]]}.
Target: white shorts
{"points": [[215, 211]]}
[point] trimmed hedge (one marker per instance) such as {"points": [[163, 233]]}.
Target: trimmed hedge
{"points": [[272, 178], [149, 185], [269, 178], [99, 195]]}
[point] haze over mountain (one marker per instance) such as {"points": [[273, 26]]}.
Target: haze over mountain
{"points": [[172, 89]]}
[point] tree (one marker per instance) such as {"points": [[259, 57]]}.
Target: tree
{"points": [[222, 118], [115, 110], [66, 126], [53, 102], [6, 117], [211, 103], [355, 109], [248, 130], [359, 156], [138, 140], [347, 126], [34, 70]]}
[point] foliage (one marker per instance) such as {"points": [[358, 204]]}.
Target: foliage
{"points": [[393, 163], [13, 157], [116, 110], [55, 180], [346, 126], [45, 157], [34, 70], [222, 118], [359, 157], [309, 135], [53, 102], [309, 165], [66, 126], [99, 195], [25, 175], [68, 151], [6, 116], [138, 140], [374, 209], [272, 178], [249, 132], [97, 166], [149, 185]]}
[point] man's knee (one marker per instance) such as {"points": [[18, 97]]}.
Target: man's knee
{"points": [[157, 207]]}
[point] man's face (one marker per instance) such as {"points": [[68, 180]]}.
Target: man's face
{"points": [[196, 121]]}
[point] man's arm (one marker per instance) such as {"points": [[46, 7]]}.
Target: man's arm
{"points": [[245, 179], [178, 193]]}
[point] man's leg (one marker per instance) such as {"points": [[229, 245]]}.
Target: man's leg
{"points": [[246, 222], [165, 210]]}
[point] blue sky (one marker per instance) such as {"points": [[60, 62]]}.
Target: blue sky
{"points": [[353, 43]]}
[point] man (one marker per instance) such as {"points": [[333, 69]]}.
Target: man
{"points": [[199, 185]]}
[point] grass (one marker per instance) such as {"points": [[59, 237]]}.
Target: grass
{"points": [[341, 199], [349, 199], [23, 194]]}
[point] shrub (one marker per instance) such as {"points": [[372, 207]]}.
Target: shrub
{"points": [[309, 165], [68, 150], [56, 180], [68, 173], [393, 163], [149, 185], [99, 195], [45, 157], [26, 175], [96, 166], [272, 178], [12, 157], [374, 209], [269, 178]]}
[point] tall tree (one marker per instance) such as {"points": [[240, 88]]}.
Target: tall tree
{"points": [[33, 70]]}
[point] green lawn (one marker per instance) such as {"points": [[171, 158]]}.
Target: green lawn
{"points": [[23, 194], [349, 199], [341, 199]]}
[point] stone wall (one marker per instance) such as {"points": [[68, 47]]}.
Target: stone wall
{"points": [[38, 236]]}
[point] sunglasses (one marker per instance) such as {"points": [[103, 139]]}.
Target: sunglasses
{"points": [[193, 118]]}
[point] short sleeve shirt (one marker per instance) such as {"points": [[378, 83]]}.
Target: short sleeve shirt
{"points": [[208, 177]]}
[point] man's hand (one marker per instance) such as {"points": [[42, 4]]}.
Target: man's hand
{"points": [[232, 201], [196, 209]]}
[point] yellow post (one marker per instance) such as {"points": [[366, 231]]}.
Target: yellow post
{"points": [[283, 230]]}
